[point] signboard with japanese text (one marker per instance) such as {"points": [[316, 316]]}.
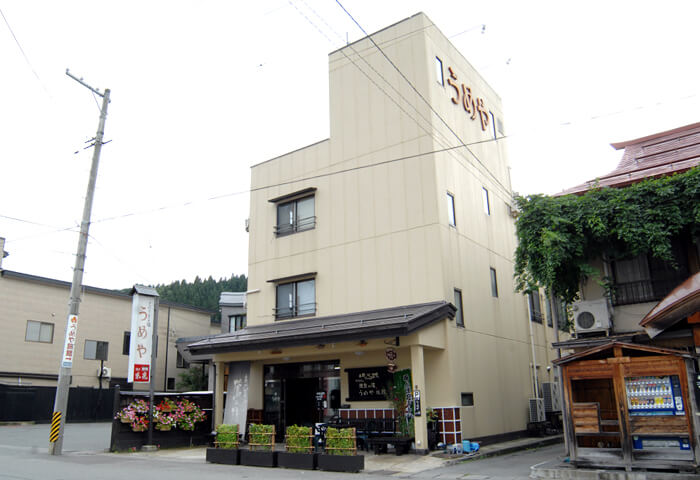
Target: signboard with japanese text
{"points": [[140, 348], [69, 345], [366, 384]]}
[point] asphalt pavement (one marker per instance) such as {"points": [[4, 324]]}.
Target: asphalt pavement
{"points": [[24, 455]]}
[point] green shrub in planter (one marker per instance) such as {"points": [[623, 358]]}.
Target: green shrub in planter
{"points": [[299, 439], [341, 441], [261, 437], [227, 436]]}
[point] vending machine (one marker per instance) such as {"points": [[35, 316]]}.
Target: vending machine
{"points": [[656, 396]]}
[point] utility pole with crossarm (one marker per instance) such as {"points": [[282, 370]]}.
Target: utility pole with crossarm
{"points": [[58, 420]]}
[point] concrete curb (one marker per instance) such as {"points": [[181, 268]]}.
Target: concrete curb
{"points": [[496, 449]]}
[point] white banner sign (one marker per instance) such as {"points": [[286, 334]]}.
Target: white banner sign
{"points": [[69, 345], [140, 348]]}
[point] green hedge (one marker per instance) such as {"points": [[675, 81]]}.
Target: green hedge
{"points": [[227, 436], [340, 441], [261, 437], [299, 439]]}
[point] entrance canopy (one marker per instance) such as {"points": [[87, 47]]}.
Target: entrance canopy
{"points": [[682, 302], [388, 322]]}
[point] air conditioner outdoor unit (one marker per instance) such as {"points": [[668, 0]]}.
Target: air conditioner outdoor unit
{"points": [[105, 371], [591, 315], [536, 410], [552, 399]]}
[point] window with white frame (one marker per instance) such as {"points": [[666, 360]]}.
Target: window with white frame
{"points": [[451, 218], [533, 299], [485, 201], [96, 350], [295, 216], [39, 332], [494, 282], [439, 72], [236, 322], [296, 299], [459, 314]]}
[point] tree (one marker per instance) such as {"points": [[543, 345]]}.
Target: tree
{"points": [[193, 379]]}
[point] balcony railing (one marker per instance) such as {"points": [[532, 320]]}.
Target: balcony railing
{"points": [[299, 225], [301, 310], [643, 291]]}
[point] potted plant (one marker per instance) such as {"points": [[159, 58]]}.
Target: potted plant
{"points": [[140, 424], [404, 425], [261, 447], [341, 452], [166, 405], [299, 449], [187, 414], [163, 421], [433, 428], [225, 446], [134, 413]]}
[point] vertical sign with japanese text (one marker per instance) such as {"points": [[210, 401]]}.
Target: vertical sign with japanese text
{"points": [[69, 345], [142, 311]]}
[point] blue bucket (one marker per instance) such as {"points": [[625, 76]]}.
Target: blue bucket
{"points": [[466, 446]]}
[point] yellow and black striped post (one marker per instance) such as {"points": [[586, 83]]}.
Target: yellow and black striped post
{"points": [[55, 427]]}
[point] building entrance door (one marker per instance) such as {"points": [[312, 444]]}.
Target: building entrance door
{"points": [[301, 394]]}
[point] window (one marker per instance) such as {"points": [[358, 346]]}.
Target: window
{"points": [[467, 399], [296, 299], [295, 216], [485, 200], [439, 72], [95, 350], [171, 383], [548, 309], [494, 283], [181, 362], [236, 322], [644, 278], [459, 314], [126, 345], [451, 209], [535, 310], [39, 332]]}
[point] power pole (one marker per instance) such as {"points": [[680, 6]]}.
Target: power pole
{"points": [[64, 374]]}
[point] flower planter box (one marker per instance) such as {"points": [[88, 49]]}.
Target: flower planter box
{"points": [[304, 461], [226, 456], [341, 463], [258, 458]]}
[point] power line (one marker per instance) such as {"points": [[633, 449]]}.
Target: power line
{"points": [[26, 59], [410, 84]]}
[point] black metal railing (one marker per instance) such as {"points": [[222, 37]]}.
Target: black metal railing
{"points": [[301, 310], [298, 225], [643, 291]]}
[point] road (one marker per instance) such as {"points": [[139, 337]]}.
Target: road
{"points": [[24, 455]]}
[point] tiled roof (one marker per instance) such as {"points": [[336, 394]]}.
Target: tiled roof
{"points": [[387, 322], [664, 153]]}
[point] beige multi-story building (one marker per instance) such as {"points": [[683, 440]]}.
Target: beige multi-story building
{"points": [[33, 312], [389, 246]]}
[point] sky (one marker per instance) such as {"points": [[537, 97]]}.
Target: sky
{"points": [[202, 90]]}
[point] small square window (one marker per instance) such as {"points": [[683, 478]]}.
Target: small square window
{"points": [[467, 399], [171, 383], [126, 345], [494, 283], [485, 200], [439, 72], [96, 350], [236, 322], [459, 314], [39, 332], [451, 209]]}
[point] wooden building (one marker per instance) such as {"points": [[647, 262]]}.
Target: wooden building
{"points": [[631, 406]]}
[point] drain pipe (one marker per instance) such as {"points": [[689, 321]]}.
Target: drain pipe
{"points": [[532, 346]]}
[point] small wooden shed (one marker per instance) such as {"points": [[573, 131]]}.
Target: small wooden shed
{"points": [[631, 406]]}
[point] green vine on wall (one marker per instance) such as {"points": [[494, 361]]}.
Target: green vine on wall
{"points": [[558, 237]]}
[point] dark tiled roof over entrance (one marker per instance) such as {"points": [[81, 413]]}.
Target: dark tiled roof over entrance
{"points": [[388, 322]]}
